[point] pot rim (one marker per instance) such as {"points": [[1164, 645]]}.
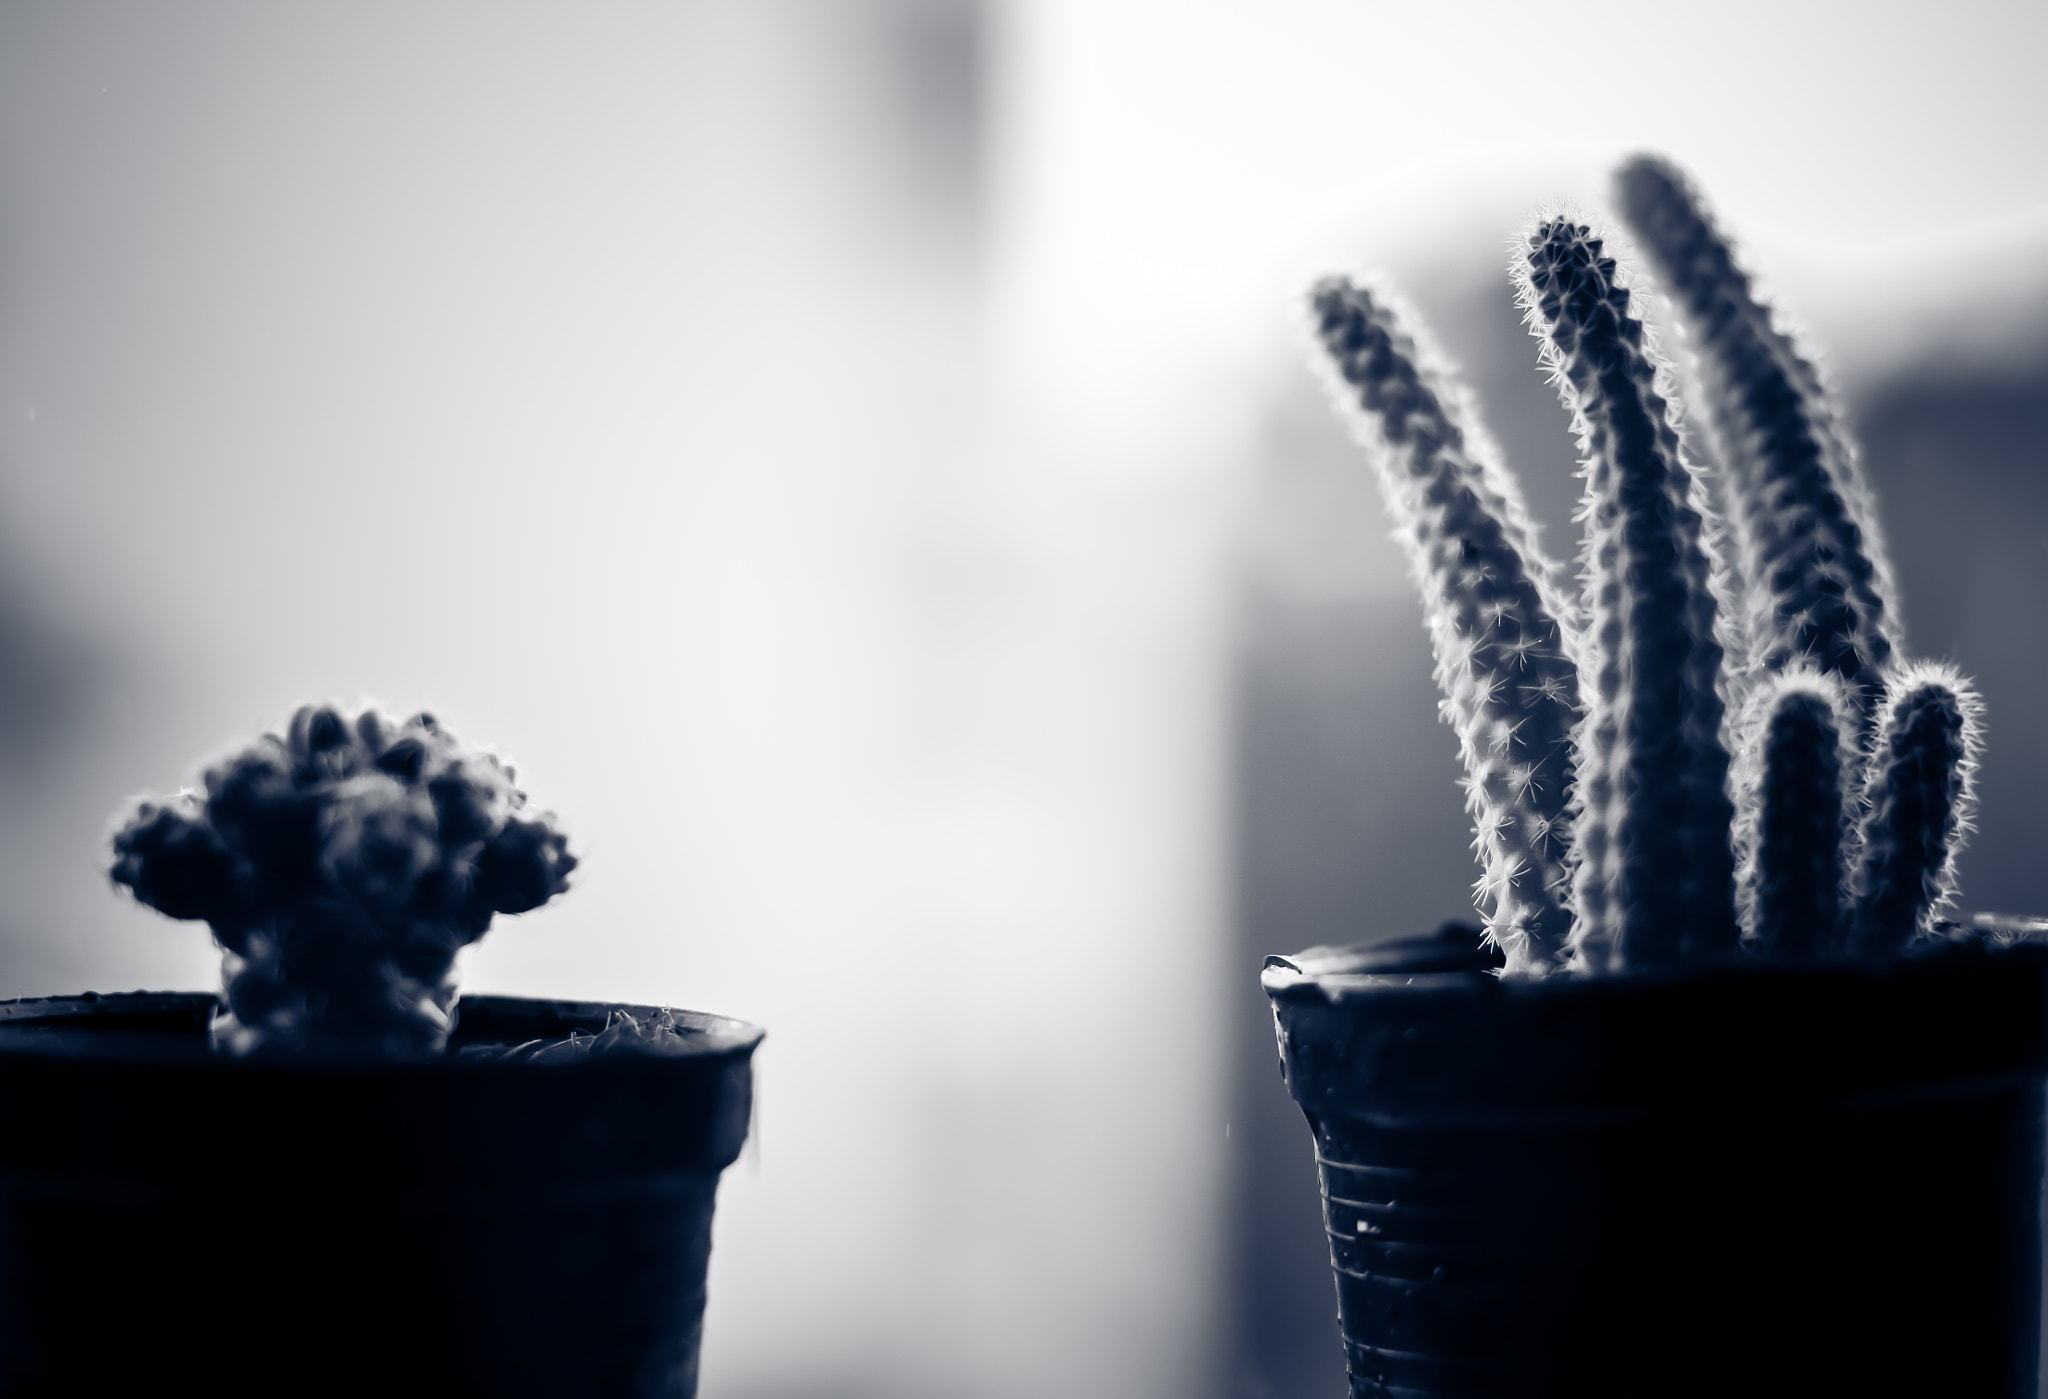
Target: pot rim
{"points": [[1336, 975], [46, 1028], [1749, 1035]]}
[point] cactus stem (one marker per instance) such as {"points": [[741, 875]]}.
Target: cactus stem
{"points": [[1919, 804], [1794, 798], [1654, 884], [1493, 613]]}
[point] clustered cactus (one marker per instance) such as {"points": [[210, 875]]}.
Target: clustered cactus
{"points": [[342, 867], [1613, 830]]}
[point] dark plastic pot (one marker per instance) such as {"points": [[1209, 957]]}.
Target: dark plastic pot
{"points": [[1808, 1181], [170, 1217]]}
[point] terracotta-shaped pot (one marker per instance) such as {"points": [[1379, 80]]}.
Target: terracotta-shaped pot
{"points": [[173, 1218]]}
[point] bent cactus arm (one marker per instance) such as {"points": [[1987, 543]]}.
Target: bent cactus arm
{"points": [[1655, 878], [1502, 660]]}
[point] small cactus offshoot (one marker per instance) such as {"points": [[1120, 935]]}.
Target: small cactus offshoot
{"points": [[1852, 792], [342, 867], [1795, 789], [1918, 797]]}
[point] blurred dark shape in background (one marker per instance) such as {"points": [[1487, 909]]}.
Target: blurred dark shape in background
{"points": [[1348, 826], [49, 682], [54, 691], [933, 69], [915, 80]]}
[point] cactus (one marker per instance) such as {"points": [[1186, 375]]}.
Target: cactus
{"points": [[1653, 833], [342, 867], [1818, 586], [1655, 877], [1511, 690], [1919, 797], [1794, 790]]}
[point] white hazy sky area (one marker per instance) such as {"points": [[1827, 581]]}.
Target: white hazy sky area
{"points": [[851, 570]]}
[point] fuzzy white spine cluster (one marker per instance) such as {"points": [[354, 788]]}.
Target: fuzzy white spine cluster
{"points": [[1495, 618]]}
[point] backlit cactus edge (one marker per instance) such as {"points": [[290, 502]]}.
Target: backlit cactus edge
{"points": [[1613, 831]]}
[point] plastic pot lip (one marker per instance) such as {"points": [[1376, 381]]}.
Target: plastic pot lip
{"points": [[1748, 1036], [1335, 976], [89, 1026]]}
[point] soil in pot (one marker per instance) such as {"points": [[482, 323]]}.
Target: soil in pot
{"points": [[456, 1226], [1812, 1180]]}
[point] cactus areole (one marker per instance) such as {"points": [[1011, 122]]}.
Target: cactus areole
{"points": [[1716, 1101], [337, 1176]]}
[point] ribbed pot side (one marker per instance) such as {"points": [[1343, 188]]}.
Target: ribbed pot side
{"points": [[1816, 1180], [305, 1226]]}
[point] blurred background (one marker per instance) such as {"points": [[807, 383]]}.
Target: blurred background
{"points": [[855, 456]]}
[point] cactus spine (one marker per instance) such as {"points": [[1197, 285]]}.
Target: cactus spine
{"points": [[1794, 793], [1919, 796], [1655, 879], [1510, 687], [1817, 583]]}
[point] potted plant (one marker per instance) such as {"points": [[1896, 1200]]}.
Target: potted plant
{"points": [[1717, 1103], [338, 1176]]}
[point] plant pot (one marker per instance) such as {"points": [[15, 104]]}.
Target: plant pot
{"points": [[332, 1226], [1812, 1180]]}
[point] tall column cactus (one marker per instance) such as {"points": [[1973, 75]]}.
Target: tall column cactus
{"points": [[1510, 688], [1919, 797], [1655, 880], [1818, 586]]}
